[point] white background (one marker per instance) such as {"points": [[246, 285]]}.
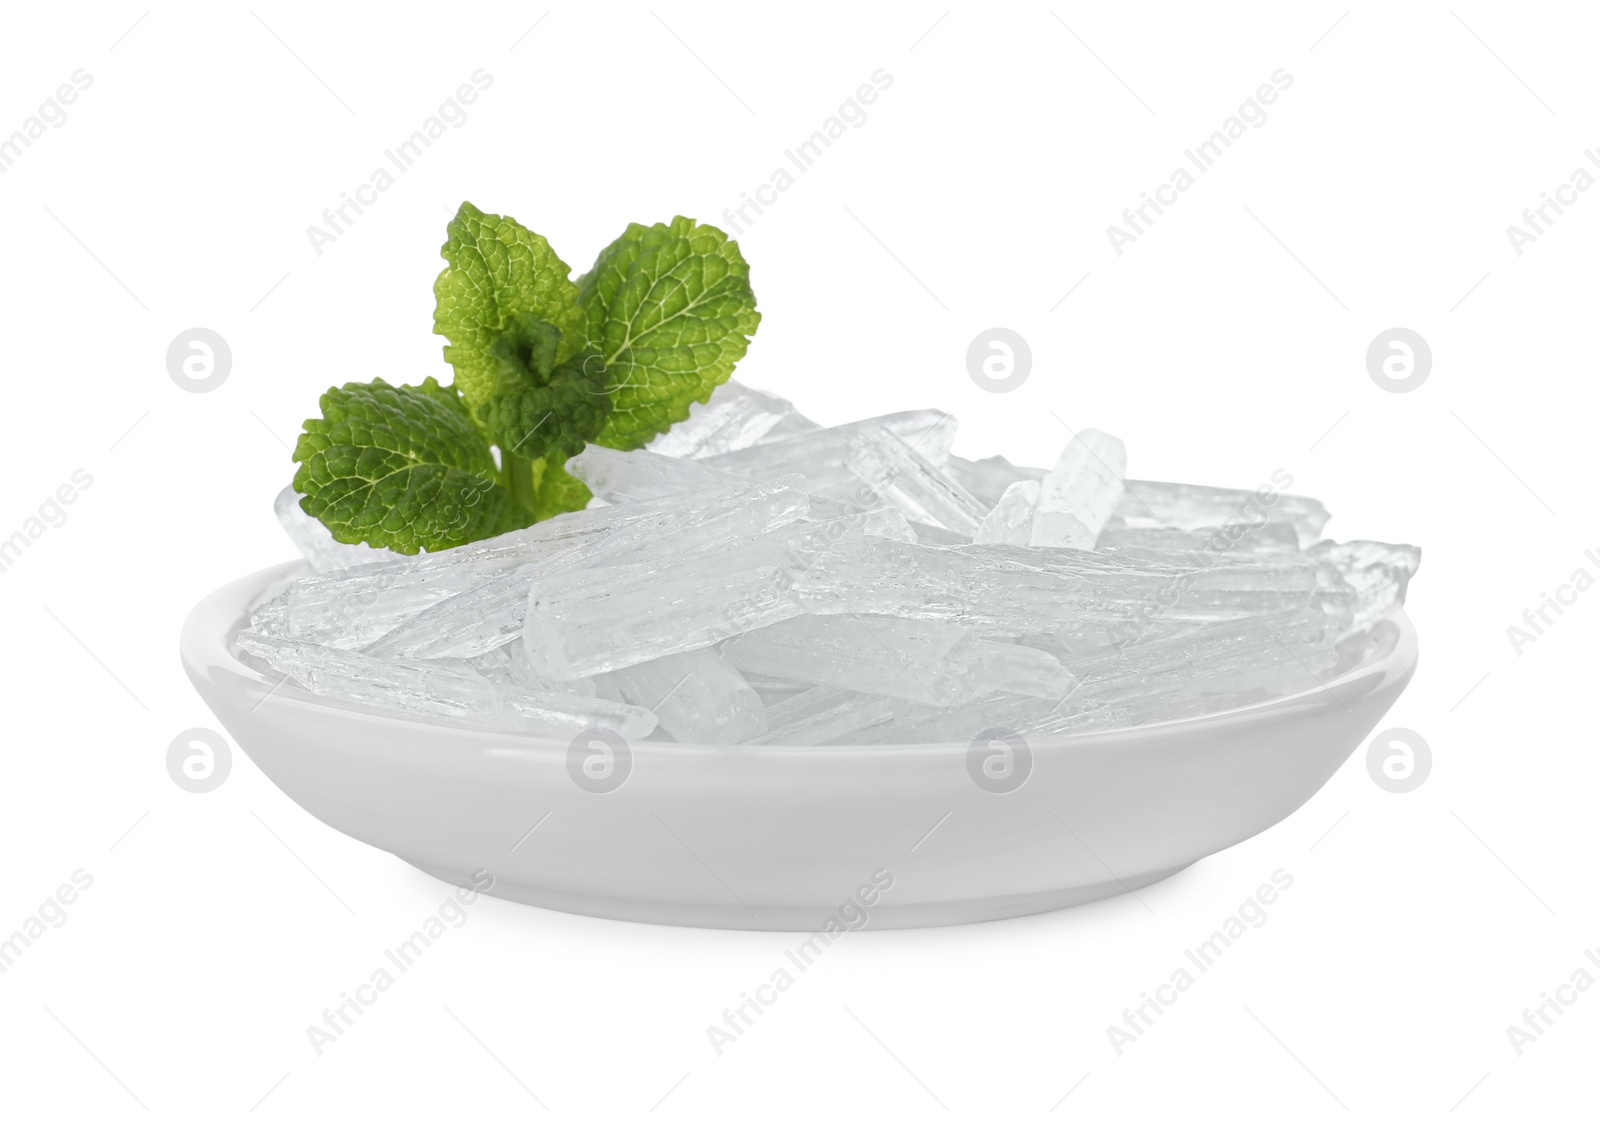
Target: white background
{"points": [[1225, 343]]}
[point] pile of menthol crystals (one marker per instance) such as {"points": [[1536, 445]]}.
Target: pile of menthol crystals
{"points": [[754, 578]]}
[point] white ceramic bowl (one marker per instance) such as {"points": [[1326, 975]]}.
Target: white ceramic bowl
{"points": [[782, 838]]}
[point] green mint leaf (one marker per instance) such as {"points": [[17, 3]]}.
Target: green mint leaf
{"points": [[556, 491], [399, 466], [496, 269], [549, 413], [670, 310], [526, 349], [448, 395]]}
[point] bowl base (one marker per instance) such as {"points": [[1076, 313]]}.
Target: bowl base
{"points": [[790, 918]]}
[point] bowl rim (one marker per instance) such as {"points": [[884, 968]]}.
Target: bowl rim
{"points": [[203, 649]]}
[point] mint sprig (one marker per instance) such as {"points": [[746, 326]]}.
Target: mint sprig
{"points": [[543, 365]]}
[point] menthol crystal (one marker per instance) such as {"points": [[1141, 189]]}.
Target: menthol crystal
{"points": [[917, 660], [433, 689], [1012, 591], [1146, 503], [987, 479], [755, 579], [734, 417], [354, 607], [821, 455], [1151, 504], [902, 477], [584, 622], [626, 477], [491, 612], [697, 695], [1267, 538], [825, 715], [1081, 492], [1010, 521]]}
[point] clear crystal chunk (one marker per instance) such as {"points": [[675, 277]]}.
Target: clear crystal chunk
{"points": [[584, 622], [696, 695], [1081, 492], [435, 689], [734, 417]]}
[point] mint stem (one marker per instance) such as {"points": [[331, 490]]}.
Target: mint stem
{"points": [[518, 474]]}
